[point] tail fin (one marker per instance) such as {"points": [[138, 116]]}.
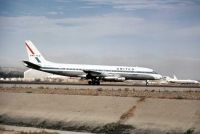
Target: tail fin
{"points": [[33, 54], [175, 77]]}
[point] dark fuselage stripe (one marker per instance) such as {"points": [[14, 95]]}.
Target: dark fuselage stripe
{"points": [[112, 71]]}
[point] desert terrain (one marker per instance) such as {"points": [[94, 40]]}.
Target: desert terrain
{"points": [[101, 110]]}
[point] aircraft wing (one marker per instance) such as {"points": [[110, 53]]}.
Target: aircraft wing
{"points": [[104, 76], [94, 73]]}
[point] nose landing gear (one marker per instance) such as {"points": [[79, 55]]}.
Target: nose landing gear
{"points": [[147, 82]]}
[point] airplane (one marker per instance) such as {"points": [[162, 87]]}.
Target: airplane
{"points": [[175, 80], [93, 73]]}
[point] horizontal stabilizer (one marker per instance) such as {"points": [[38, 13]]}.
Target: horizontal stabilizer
{"points": [[175, 78], [31, 65]]}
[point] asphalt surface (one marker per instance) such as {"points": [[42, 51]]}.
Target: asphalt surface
{"points": [[103, 86]]}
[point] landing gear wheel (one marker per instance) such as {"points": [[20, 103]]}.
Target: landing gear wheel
{"points": [[147, 82], [94, 82], [90, 82], [98, 82]]}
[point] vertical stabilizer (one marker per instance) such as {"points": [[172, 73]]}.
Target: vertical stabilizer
{"points": [[33, 54], [175, 77]]}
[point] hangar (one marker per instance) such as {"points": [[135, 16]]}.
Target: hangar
{"points": [[32, 74]]}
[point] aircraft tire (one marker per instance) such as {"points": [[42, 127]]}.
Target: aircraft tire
{"points": [[98, 82], [90, 82]]}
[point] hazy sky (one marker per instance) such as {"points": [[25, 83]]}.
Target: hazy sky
{"points": [[160, 34]]}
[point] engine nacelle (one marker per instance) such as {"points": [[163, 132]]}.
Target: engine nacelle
{"points": [[116, 79]]}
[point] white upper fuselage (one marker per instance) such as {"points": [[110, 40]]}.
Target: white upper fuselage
{"points": [[74, 70]]}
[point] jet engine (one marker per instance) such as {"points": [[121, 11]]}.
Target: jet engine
{"points": [[116, 79]]}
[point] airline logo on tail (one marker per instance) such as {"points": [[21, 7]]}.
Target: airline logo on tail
{"points": [[37, 59], [29, 49], [31, 52]]}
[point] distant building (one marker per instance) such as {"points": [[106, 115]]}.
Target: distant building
{"points": [[33, 74]]}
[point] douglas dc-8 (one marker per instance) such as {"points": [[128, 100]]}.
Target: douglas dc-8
{"points": [[175, 80], [93, 73]]}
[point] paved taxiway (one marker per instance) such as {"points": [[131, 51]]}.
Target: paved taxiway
{"points": [[103, 86]]}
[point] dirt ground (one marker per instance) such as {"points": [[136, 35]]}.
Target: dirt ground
{"points": [[191, 95], [6, 129], [101, 111]]}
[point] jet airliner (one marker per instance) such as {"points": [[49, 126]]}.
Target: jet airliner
{"points": [[175, 80], [93, 73]]}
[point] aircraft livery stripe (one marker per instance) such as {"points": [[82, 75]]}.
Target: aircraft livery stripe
{"points": [[37, 59], [116, 71], [29, 48]]}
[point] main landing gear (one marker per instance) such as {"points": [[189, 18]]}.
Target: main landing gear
{"points": [[94, 82]]}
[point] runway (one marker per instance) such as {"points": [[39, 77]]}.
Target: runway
{"points": [[99, 87]]}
